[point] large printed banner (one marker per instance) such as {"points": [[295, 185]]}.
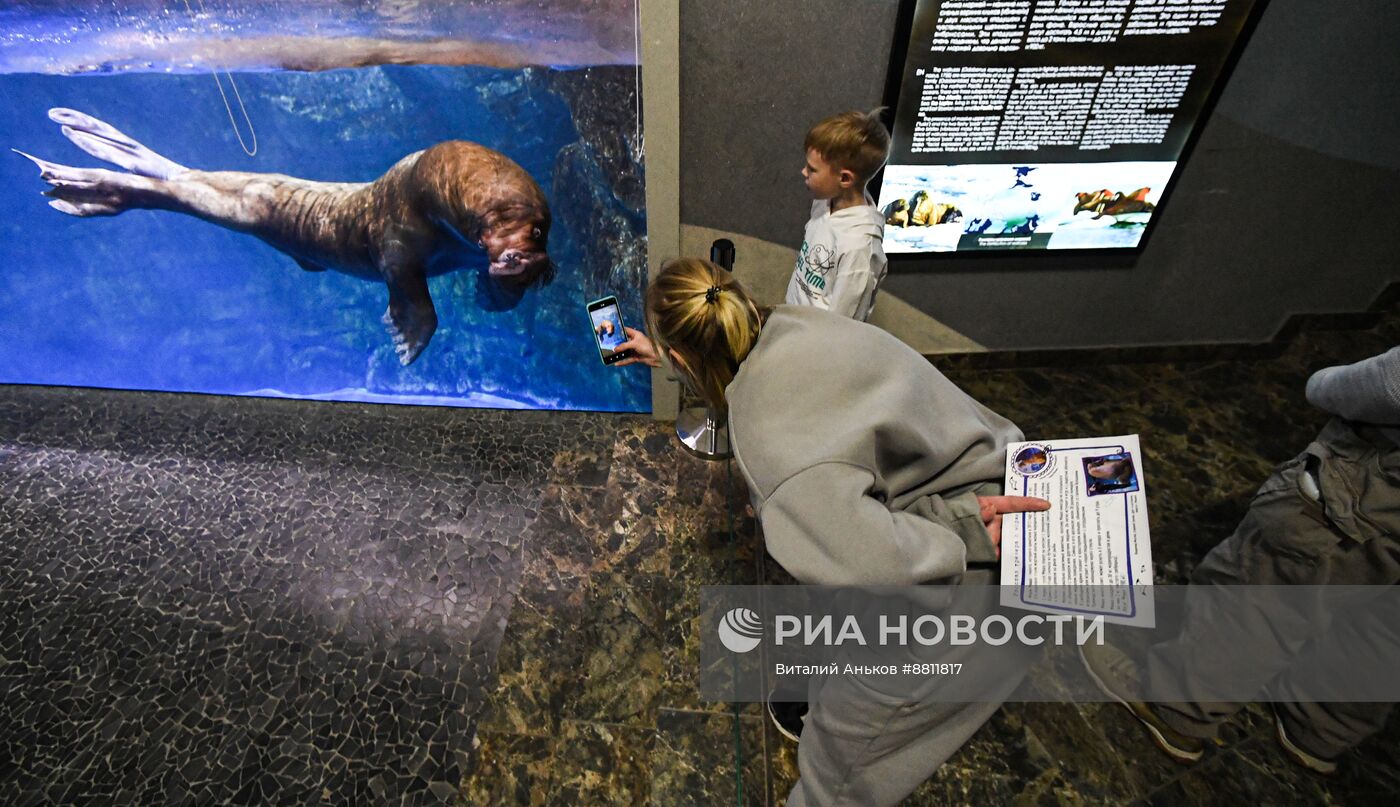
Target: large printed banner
{"points": [[1048, 124], [336, 199]]}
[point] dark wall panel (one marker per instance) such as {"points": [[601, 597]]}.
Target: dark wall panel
{"points": [[754, 77]]}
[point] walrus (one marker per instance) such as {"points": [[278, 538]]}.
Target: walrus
{"points": [[1114, 203], [926, 212], [897, 213], [435, 211], [912, 205]]}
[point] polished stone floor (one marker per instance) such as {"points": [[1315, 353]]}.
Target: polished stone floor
{"points": [[211, 600], [208, 599], [596, 702]]}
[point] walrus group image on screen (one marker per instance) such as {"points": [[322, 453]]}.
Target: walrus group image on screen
{"points": [[333, 199], [954, 208]]}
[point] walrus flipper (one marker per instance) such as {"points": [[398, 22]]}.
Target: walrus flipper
{"points": [[105, 142], [96, 191], [410, 318], [82, 191]]}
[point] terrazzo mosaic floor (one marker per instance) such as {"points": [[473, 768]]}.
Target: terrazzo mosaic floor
{"points": [[208, 600]]}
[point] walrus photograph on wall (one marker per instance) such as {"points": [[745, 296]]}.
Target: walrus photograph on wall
{"points": [[407, 205]]}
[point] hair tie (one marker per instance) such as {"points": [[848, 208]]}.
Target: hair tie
{"points": [[712, 294]]}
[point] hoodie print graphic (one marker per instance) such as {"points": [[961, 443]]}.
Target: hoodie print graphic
{"points": [[814, 265]]}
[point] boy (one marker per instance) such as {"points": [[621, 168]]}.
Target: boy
{"points": [[842, 260]]}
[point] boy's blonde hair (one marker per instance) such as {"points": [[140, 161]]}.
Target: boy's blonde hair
{"points": [[856, 141], [708, 318]]}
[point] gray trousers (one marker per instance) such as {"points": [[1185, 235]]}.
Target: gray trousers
{"points": [[870, 741], [1340, 531]]}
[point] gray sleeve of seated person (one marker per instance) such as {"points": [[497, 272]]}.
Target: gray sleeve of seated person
{"points": [[826, 529], [1367, 391]]}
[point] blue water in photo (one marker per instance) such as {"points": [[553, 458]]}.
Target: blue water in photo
{"points": [[92, 36], [163, 301]]}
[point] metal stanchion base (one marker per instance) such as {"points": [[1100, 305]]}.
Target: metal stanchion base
{"points": [[702, 435]]}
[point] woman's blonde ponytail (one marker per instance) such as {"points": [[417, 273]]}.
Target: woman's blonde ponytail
{"points": [[707, 318]]}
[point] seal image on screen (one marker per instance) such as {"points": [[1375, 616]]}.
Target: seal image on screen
{"points": [[435, 211], [1114, 203], [920, 210], [897, 213], [928, 213], [924, 212]]}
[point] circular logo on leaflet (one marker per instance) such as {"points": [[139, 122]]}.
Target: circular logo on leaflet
{"points": [[1032, 460]]}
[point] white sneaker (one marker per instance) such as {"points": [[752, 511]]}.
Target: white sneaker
{"points": [[1316, 764]]}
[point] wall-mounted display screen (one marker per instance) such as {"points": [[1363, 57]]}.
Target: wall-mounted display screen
{"points": [[1048, 124]]}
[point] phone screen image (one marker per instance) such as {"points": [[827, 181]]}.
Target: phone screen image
{"points": [[607, 329]]}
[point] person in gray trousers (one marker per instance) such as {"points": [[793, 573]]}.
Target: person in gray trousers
{"points": [[1328, 517], [866, 467]]}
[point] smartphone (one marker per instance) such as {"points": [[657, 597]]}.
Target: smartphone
{"points": [[606, 319]]}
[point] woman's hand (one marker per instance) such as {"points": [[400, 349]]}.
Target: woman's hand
{"points": [[642, 349], [994, 507]]}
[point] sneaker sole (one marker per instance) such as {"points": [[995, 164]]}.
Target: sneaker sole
{"points": [[772, 718], [1176, 754], [1317, 765]]}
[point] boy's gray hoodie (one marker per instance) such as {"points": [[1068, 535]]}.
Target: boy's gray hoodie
{"points": [[862, 459]]}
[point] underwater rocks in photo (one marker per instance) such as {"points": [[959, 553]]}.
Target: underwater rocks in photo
{"points": [[607, 113], [608, 157]]}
